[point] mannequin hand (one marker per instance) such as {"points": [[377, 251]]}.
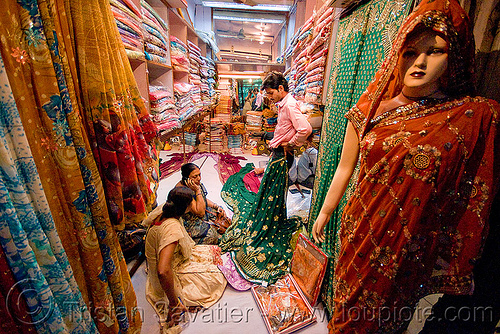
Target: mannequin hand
{"points": [[318, 230]]}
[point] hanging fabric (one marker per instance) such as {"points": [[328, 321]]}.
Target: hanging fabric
{"points": [[15, 315], [363, 39], [28, 236], [118, 124], [40, 63]]}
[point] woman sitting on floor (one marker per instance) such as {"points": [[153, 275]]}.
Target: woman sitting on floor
{"points": [[180, 273], [207, 221]]}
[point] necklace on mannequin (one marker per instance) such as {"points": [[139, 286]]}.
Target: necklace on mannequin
{"points": [[420, 98]]}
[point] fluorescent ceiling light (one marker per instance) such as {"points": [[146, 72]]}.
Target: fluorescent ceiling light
{"points": [[239, 76], [247, 19], [232, 5]]}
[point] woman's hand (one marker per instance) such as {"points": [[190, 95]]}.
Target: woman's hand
{"points": [[190, 183], [318, 230], [258, 170], [175, 314], [220, 210]]}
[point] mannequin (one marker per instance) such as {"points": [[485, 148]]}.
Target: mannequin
{"points": [[428, 174]]}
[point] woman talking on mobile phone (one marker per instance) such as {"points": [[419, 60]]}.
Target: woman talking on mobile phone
{"points": [[207, 221]]}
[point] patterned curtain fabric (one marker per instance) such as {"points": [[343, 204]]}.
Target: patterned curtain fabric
{"points": [[41, 67], [29, 238], [363, 40], [119, 126]]}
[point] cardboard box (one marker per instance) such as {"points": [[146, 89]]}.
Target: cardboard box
{"points": [[286, 305]]}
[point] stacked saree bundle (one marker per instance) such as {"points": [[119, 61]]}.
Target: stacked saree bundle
{"points": [[269, 119], [128, 19], [317, 52], [254, 121], [183, 100], [179, 54], [155, 35], [195, 63], [225, 103], [216, 139], [163, 109], [301, 37], [235, 133], [306, 73], [208, 81]]}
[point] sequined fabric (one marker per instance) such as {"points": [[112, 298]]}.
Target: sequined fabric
{"points": [[418, 216]]}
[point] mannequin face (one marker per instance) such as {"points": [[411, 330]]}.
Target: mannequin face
{"points": [[423, 60], [276, 95], [195, 175]]}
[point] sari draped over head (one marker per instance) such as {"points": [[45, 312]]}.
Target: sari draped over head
{"points": [[418, 217]]}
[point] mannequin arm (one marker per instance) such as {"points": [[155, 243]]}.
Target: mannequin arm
{"points": [[348, 160]]}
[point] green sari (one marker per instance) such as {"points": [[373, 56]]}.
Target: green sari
{"points": [[259, 236], [363, 39]]}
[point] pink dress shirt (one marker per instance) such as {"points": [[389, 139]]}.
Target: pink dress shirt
{"points": [[293, 126]]}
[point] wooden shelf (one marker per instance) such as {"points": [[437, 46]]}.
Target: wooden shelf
{"points": [[160, 66], [170, 3], [165, 135]]}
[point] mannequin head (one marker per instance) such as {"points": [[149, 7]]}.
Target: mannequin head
{"points": [[423, 63]]}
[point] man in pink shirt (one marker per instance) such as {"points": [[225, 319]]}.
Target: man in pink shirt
{"points": [[258, 239], [292, 128]]}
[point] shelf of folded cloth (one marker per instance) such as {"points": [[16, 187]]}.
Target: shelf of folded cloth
{"points": [[156, 69], [166, 135]]}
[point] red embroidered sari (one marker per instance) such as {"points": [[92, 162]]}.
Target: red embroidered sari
{"points": [[428, 174]]}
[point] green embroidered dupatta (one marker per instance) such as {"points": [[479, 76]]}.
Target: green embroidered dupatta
{"points": [[259, 237]]}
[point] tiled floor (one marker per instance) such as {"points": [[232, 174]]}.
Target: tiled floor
{"points": [[236, 312]]}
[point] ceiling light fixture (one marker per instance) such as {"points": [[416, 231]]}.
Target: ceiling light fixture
{"points": [[248, 19], [229, 5]]}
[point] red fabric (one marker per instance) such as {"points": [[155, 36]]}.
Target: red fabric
{"points": [[252, 181], [13, 309], [428, 174]]}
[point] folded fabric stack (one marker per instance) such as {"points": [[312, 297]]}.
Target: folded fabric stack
{"points": [[163, 109], [128, 19], [207, 74], [254, 121], [179, 54], [301, 38], [270, 119], [155, 35], [183, 100], [225, 103], [196, 96], [234, 141], [195, 63], [190, 138], [310, 44], [217, 134], [317, 51]]}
